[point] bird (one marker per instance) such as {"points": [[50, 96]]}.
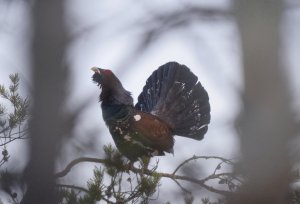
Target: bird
{"points": [[172, 102]]}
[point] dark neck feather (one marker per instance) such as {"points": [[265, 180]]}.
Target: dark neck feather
{"points": [[114, 93], [116, 98], [113, 113]]}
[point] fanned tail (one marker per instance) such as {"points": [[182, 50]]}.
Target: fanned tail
{"points": [[173, 94]]}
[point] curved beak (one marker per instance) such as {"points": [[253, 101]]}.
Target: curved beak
{"points": [[95, 69]]}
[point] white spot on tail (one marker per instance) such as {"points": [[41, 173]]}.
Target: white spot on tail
{"points": [[203, 126], [196, 127], [137, 117], [155, 153]]}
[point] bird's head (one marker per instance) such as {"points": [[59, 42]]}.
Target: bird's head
{"points": [[112, 89], [102, 76]]}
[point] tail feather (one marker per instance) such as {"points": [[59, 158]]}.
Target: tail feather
{"points": [[173, 94]]}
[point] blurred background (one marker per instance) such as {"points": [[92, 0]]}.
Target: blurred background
{"points": [[133, 38]]}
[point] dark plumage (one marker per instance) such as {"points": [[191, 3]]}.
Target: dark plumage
{"points": [[172, 103]]}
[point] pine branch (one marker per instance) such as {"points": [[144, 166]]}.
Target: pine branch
{"points": [[173, 176]]}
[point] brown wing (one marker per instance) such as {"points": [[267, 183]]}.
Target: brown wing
{"points": [[156, 131]]}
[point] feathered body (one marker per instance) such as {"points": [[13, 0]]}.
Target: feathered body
{"points": [[172, 102]]}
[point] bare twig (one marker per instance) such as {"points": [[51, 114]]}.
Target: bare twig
{"points": [[202, 157], [218, 176], [181, 187], [77, 161], [21, 135], [4, 129], [16, 138], [192, 180]]}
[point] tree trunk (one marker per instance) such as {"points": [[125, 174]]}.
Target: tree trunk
{"points": [[266, 121], [49, 75]]}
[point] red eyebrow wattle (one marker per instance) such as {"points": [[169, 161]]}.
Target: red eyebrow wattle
{"points": [[107, 71]]}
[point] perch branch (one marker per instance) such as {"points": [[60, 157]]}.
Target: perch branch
{"points": [[133, 169]]}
